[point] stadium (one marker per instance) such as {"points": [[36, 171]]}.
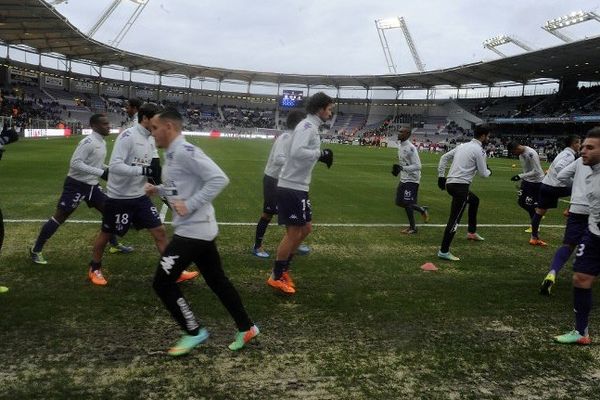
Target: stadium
{"points": [[366, 322]]}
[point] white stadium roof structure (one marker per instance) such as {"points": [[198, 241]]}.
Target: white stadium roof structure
{"points": [[37, 25]]}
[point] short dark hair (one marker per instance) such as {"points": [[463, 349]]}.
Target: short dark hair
{"points": [[147, 110], [571, 139], [512, 146], [170, 113], [134, 102], [318, 101], [594, 133], [481, 130], [95, 119], [294, 118]]}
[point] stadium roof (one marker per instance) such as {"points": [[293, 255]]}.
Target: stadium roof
{"points": [[37, 24]]}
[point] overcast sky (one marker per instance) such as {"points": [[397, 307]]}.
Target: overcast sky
{"points": [[326, 37]]}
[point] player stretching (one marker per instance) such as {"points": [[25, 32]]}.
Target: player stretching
{"points": [[577, 220], [552, 188], [292, 189], [409, 168], [81, 184], [587, 262], [127, 203], [531, 177], [467, 160], [276, 160], [192, 181]]}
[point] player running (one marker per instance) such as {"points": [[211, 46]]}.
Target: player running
{"points": [[409, 168], [292, 189], [577, 221], [277, 158], [587, 262], [552, 188], [81, 184], [192, 181]]}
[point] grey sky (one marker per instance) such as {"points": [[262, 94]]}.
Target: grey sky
{"points": [[320, 37]]}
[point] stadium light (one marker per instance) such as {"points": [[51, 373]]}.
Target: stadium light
{"points": [[552, 26], [496, 41], [396, 23], [140, 5]]}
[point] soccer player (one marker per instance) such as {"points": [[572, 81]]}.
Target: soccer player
{"points": [[292, 188], [552, 188], [577, 220], [276, 160], [81, 184], [127, 203], [586, 266], [192, 181], [531, 177], [132, 106], [7, 136], [467, 160], [409, 168]]}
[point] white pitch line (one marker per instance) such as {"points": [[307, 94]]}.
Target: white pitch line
{"points": [[79, 221]]}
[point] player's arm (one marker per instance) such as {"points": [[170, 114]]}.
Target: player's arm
{"points": [[84, 150], [215, 180], [444, 160], [279, 150], [301, 148], [482, 167], [118, 159], [563, 162], [567, 174]]}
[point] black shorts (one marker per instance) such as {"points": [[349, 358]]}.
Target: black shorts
{"points": [[529, 194], [120, 214], [406, 193], [294, 207], [587, 255], [74, 192], [577, 224], [269, 195], [549, 196]]}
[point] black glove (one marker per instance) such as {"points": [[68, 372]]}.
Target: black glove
{"points": [[326, 157], [396, 168], [442, 183], [488, 168], [157, 172], [104, 175], [8, 135], [515, 178]]}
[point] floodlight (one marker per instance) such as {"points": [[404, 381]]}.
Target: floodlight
{"points": [[388, 23], [497, 41], [553, 25]]}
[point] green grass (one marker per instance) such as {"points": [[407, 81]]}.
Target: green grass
{"points": [[366, 323]]}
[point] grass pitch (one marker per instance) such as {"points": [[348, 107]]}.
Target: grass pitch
{"points": [[366, 322]]}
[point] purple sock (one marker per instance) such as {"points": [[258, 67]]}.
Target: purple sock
{"points": [[582, 303], [535, 225], [49, 228], [560, 258]]}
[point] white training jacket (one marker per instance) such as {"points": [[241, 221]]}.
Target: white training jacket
{"points": [[575, 174], [190, 175], [532, 168], [408, 158], [467, 159], [133, 150], [278, 154], [564, 158], [87, 161], [304, 153], [592, 182]]}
